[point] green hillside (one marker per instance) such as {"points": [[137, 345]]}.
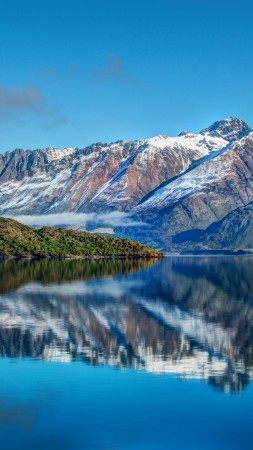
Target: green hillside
{"points": [[18, 240]]}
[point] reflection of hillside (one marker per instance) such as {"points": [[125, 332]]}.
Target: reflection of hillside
{"points": [[178, 316], [15, 273]]}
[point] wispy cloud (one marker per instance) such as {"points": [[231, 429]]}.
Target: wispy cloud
{"points": [[60, 75], [114, 70], [80, 220], [16, 99], [16, 102]]}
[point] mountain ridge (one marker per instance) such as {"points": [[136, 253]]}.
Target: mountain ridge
{"points": [[173, 184]]}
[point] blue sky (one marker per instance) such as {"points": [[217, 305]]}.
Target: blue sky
{"points": [[76, 72]]}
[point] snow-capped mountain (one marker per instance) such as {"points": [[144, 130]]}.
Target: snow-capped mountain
{"points": [[172, 184], [204, 195], [230, 129]]}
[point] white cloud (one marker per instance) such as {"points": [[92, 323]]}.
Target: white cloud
{"points": [[79, 220]]}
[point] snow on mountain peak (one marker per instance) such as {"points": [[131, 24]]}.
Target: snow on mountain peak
{"points": [[184, 133], [230, 129], [57, 153], [120, 175], [191, 141]]}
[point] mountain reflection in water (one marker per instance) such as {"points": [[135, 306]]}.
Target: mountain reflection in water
{"points": [[185, 315]]}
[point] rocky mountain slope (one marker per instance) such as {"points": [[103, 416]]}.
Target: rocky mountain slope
{"points": [[173, 185], [100, 177], [202, 196], [234, 231]]}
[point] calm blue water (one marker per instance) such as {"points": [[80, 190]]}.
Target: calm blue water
{"points": [[127, 355]]}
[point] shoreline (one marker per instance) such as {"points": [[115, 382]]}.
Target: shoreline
{"points": [[82, 257]]}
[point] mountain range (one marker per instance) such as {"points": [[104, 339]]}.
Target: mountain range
{"points": [[192, 191]]}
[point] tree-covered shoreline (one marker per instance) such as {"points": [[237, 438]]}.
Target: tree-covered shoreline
{"points": [[20, 241]]}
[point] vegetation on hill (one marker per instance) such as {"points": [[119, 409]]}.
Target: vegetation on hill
{"points": [[18, 240]]}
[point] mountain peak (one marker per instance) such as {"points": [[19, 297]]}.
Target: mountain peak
{"points": [[184, 133], [230, 129]]}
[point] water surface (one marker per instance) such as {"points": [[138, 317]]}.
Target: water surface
{"points": [[127, 355]]}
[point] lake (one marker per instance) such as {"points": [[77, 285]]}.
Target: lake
{"points": [[127, 354]]}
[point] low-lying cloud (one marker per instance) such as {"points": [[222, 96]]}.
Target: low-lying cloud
{"points": [[82, 221]]}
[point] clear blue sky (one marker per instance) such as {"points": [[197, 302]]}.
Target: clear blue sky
{"points": [[76, 72]]}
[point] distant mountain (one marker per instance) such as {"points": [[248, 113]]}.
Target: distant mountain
{"points": [[202, 196], [235, 230], [98, 178], [172, 184]]}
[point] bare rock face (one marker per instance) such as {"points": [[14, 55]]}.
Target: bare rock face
{"points": [[172, 184]]}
